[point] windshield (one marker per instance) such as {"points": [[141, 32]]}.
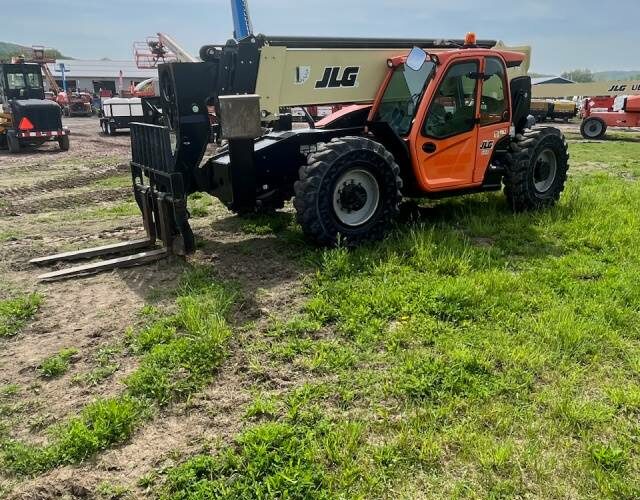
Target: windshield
{"points": [[21, 81], [400, 100]]}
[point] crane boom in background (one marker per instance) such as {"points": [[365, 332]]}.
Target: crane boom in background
{"points": [[242, 27]]}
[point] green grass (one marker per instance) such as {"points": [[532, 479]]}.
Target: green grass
{"points": [[15, 312], [9, 235], [262, 225], [58, 364], [474, 354], [200, 204], [125, 209], [106, 365], [178, 355], [119, 181], [618, 157]]}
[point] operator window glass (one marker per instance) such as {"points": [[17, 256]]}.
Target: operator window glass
{"points": [[16, 81], [402, 97], [453, 108], [493, 104], [33, 81]]}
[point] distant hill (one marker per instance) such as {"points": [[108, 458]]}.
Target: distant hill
{"points": [[616, 75], [9, 50]]}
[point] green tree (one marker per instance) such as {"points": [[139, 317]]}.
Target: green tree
{"points": [[579, 75]]}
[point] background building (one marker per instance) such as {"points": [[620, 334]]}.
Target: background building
{"points": [[95, 75]]}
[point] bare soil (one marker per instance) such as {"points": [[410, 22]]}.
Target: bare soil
{"points": [[52, 201]]}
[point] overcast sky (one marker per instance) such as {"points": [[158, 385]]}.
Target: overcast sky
{"points": [[565, 34]]}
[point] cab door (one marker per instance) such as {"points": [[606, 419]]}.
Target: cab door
{"points": [[446, 145], [495, 113]]}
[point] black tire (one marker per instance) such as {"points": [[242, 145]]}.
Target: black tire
{"points": [[537, 168], [593, 128], [110, 128], [13, 143], [317, 193], [63, 142]]}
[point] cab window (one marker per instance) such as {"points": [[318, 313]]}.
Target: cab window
{"points": [[16, 81], [493, 105], [453, 108], [33, 81]]}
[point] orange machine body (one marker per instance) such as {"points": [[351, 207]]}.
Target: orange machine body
{"points": [[460, 161]]}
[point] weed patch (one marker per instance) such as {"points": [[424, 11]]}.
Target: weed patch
{"points": [[15, 312], [58, 364], [179, 354]]}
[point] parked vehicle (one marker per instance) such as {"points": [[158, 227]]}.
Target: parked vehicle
{"points": [[26, 117], [118, 113], [78, 104], [625, 113]]}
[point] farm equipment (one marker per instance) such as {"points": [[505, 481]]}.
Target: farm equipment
{"points": [[541, 109], [624, 113], [26, 117], [77, 104], [549, 109], [564, 110], [443, 118]]}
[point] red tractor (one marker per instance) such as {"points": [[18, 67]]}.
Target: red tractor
{"points": [[624, 113]]}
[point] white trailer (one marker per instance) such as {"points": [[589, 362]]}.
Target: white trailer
{"points": [[119, 113]]}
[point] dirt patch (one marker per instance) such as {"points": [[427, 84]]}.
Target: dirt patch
{"points": [[43, 212]]}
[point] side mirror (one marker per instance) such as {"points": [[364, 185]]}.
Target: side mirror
{"points": [[416, 59]]}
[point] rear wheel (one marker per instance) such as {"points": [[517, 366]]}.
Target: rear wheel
{"points": [[593, 128], [349, 192], [536, 169], [63, 142], [110, 128], [13, 143]]}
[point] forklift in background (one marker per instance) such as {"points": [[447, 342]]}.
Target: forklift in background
{"points": [[26, 117]]}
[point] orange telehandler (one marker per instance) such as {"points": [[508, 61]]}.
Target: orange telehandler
{"points": [[445, 118]]}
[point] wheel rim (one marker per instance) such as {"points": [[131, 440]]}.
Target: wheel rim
{"points": [[594, 128], [544, 173], [356, 197]]}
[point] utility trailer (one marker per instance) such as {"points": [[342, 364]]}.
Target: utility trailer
{"points": [[118, 113], [564, 110], [431, 118], [542, 109]]}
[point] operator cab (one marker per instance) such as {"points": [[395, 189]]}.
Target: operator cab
{"points": [[21, 81], [448, 110]]}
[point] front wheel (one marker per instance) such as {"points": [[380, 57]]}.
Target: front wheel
{"points": [[349, 192], [63, 142], [13, 144], [593, 128], [536, 169]]}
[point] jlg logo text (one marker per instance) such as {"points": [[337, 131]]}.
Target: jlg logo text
{"points": [[334, 77]]}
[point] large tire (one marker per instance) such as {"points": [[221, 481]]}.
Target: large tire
{"points": [[348, 193], [13, 143], [593, 128], [63, 142], [537, 168]]}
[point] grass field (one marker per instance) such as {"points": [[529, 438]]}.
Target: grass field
{"points": [[473, 354]]}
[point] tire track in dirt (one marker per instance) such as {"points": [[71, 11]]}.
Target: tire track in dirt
{"points": [[65, 201], [65, 183]]}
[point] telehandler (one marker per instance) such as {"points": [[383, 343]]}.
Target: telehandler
{"points": [[431, 118]]}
